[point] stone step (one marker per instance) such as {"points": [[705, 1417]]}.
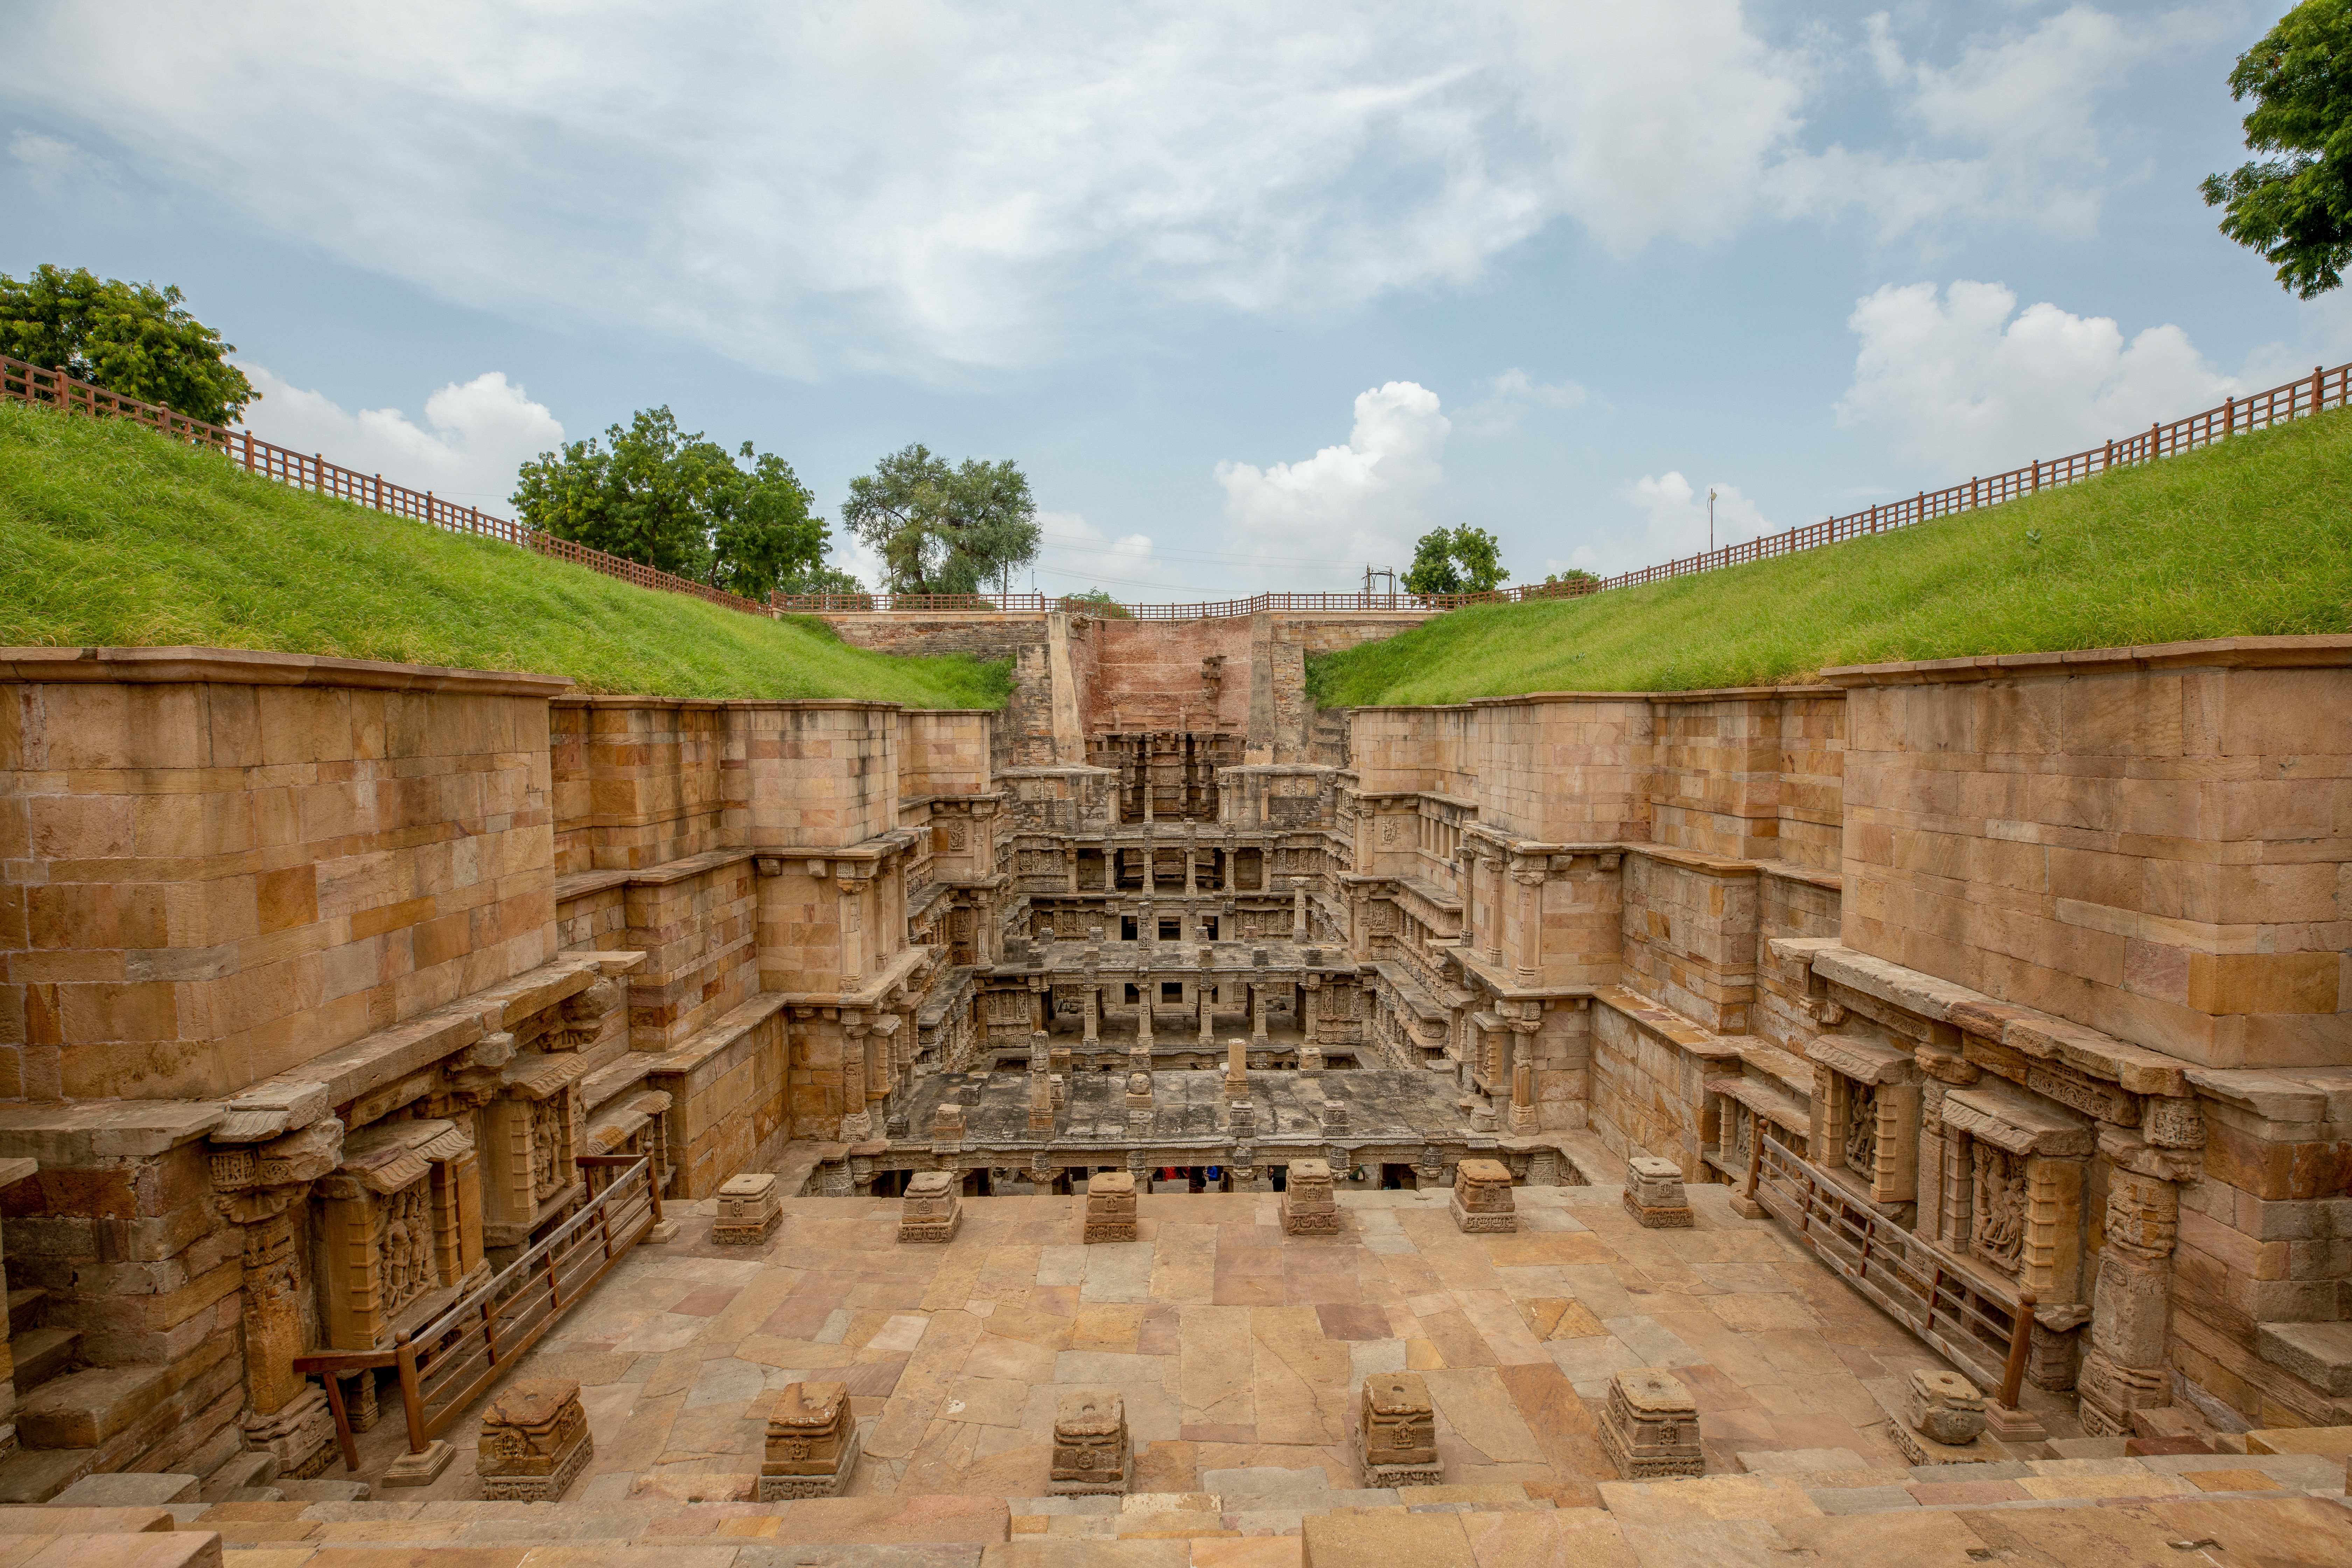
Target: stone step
{"points": [[41, 1353], [2318, 1353], [25, 1310], [240, 1473], [83, 1409], [37, 1475]]}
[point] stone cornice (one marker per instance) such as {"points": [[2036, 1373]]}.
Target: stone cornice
{"points": [[245, 667]]}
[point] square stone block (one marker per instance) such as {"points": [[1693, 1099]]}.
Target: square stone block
{"points": [[535, 1441], [1943, 1405], [931, 1209], [1649, 1428], [1090, 1446], [813, 1443], [1396, 1433], [1110, 1207], [1307, 1206], [750, 1210], [1482, 1197]]}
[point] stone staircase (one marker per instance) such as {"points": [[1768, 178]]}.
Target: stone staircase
{"points": [[1804, 1509]]}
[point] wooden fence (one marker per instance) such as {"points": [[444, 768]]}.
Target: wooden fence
{"points": [[452, 1361], [23, 383], [2296, 399], [1981, 1326]]}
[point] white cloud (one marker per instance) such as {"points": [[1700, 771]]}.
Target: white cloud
{"points": [[1961, 387], [474, 437], [1074, 555], [1513, 392], [1366, 502], [1673, 523], [53, 165], [914, 185]]}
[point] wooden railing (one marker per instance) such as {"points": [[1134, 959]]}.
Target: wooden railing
{"points": [[23, 382], [1951, 1306], [2296, 399], [448, 1363]]}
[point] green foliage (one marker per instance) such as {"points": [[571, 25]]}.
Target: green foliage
{"points": [[1574, 577], [2296, 209], [679, 504], [1095, 602], [130, 338], [112, 534], [1463, 560], [820, 580], [2250, 538], [943, 529]]}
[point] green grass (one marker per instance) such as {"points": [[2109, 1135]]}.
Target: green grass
{"points": [[2250, 538], [111, 535]]}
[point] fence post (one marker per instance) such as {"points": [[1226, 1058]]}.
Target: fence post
{"points": [[412, 1397], [2020, 1335], [2318, 389]]}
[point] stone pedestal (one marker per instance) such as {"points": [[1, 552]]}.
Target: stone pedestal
{"points": [[1307, 1206], [932, 1208], [813, 1443], [1650, 1427], [1090, 1448], [1653, 1194], [750, 1210], [1110, 1207], [1481, 1196], [1943, 1421], [535, 1441], [300, 1433], [1396, 1433]]}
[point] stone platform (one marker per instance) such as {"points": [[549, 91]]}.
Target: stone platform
{"points": [[1231, 1345]]}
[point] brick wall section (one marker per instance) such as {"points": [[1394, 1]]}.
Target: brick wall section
{"points": [[638, 781], [2157, 852], [1690, 931], [944, 750], [209, 881], [1024, 733]]}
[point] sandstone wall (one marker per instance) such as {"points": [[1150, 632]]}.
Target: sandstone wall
{"points": [[220, 865]]}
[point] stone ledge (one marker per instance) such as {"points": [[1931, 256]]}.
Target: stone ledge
{"points": [[582, 884], [80, 1134], [245, 667], [2323, 652]]}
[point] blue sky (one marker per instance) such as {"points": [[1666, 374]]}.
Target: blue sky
{"points": [[1255, 293]]}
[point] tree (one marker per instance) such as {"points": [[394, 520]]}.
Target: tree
{"points": [[2296, 209], [679, 504], [1095, 602], [942, 529], [1575, 580], [131, 337], [1463, 560]]}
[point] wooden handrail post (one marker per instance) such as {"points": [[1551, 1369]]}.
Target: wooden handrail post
{"points": [[1755, 1156], [653, 1186], [343, 1439], [412, 1397], [2021, 1337]]}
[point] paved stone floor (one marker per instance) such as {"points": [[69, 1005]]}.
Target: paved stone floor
{"points": [[1235, 1347]]}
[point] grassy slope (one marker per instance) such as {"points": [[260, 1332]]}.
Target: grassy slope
{"points": [[111, 535], [2251, 538]]}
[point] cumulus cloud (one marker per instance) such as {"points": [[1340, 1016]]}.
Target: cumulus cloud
{"points": [[474, 437], [1366, 502], [1073, 556], [1964, 382], [918, 185]]}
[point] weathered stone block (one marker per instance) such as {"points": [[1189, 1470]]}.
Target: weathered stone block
{"points": [[812, 1443], [1649, 1428], [750, 1210], [931, 1209], [1110, 1207], [1945, 1405], [1307, 1208], [1396, 1432], [1653, 1194], [535, 1441], [1090, 1446], [1482, 1197]]}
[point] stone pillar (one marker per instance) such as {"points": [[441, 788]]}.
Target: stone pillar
{"points": [[1311, 991], [1073, 855], [1530, 965], [1257, 1012], [2124, 1369], [1237, 1069], [1493, 869], [1307, 1208], [1523, 1098], [857, 1125], [1143, 1011], [1192, 865], [1298, 910], [853, 937], [290, 1417], [1092, 996], [1041, 1085], [1208, 1008], [1110, 1207]]}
